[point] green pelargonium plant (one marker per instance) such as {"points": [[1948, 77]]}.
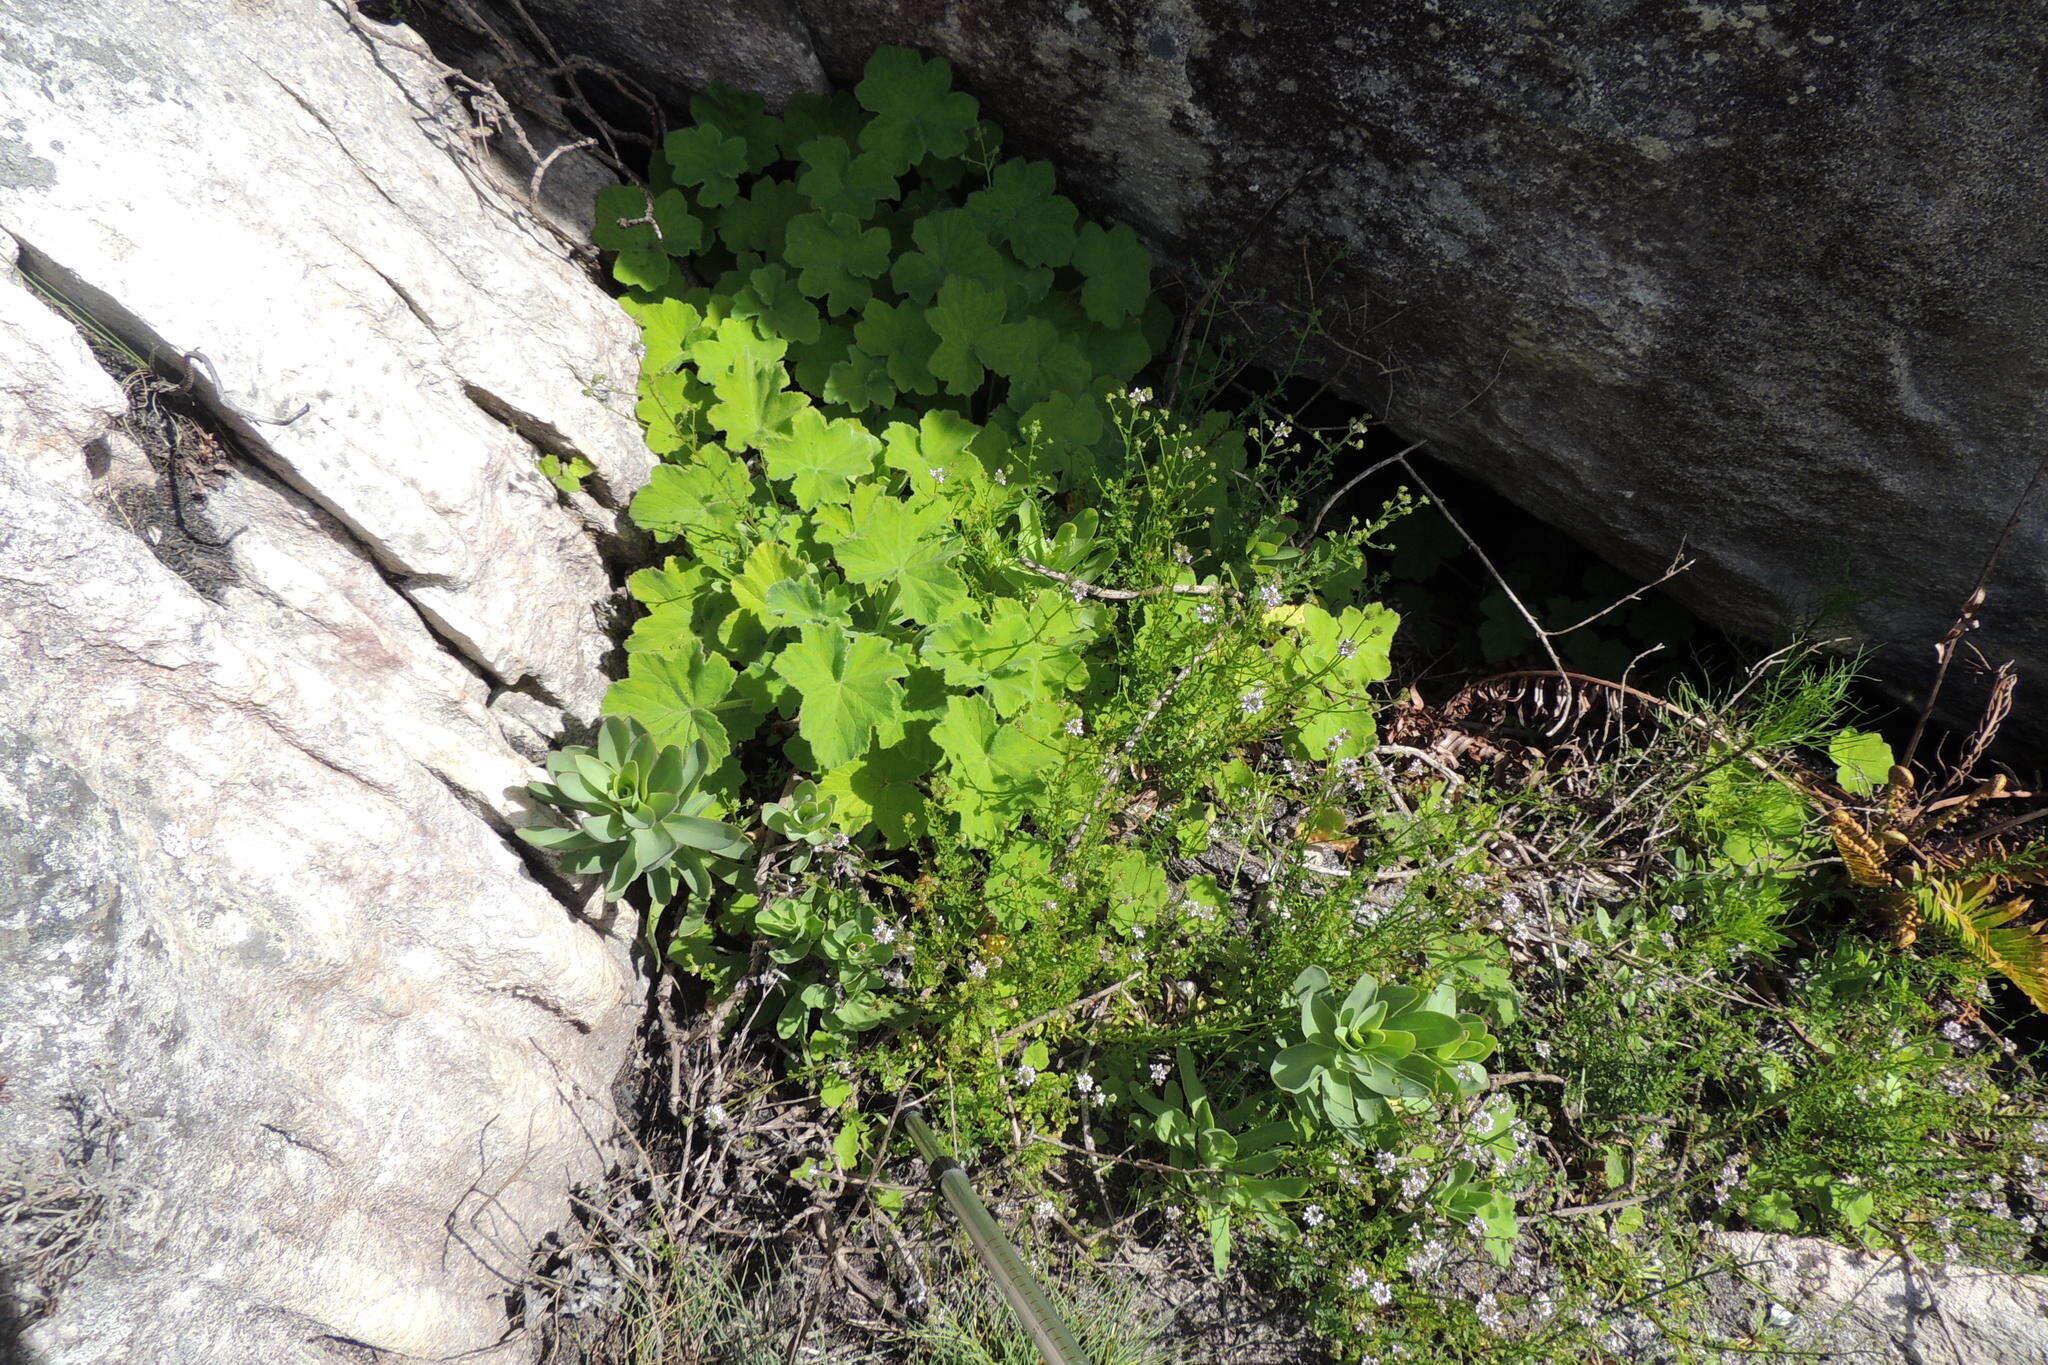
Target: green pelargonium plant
{"points": [[1377, 1049], [638, 815]]}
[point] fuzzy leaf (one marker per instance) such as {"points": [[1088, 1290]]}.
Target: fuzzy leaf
{"points": [[1118, 273], [951, 242], [837, 258], [745, 371], [1862, 760], [680, 231], [705, 500], [676, 696], [643, 267], [993, 769], [1021, 208], [759, 221], [898, 334], [892, 546], [882, 789], [860, 382], [741, 114], [963, 317], [615, 227], [837, 181], [917, 112], [820, 459], [777, 307], [850, 684], [705, 157]]}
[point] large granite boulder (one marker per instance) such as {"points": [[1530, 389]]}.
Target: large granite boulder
{"points": [[298, 1057], [1762, 281]]}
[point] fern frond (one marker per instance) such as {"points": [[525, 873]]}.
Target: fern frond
{"points": [[1861, 854], [1992, 932]]}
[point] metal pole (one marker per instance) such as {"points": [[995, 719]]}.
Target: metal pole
{"points": [[1020, 1289]]}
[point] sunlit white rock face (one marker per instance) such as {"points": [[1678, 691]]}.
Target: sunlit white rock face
{"points": [[277, 992]]}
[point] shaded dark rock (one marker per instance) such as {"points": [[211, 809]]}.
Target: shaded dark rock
{"points": [[1763, 281]]}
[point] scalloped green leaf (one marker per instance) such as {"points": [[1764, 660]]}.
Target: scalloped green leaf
{"points": [[706, 499], [643, 267], [893, 546], [917, 113], [680, 232], [850, 685], [860, 382], [1117, 271], [810, 115], [963, 316], [619, 221], [705, 157], [741, 114], [836, 180], [676, 695], [777, 307], [759, 220], [820, 458], [837, 259], [898, 335], [882, 789], [950, 243], [745, 371], [1022, 210]]}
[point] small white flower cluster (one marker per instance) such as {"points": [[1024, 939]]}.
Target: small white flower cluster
{"points": [[1027, 1075], [1313, 1216], [1139, 397], [1426, 1258], [1253, 701], [1160, 1072], [1076, 726], [1205, 612], [1090, 1090], [1269, 594]]}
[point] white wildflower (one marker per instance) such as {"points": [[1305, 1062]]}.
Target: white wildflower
{"points": [[1076, 727], [1253, 701], [1313, 1215]]}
